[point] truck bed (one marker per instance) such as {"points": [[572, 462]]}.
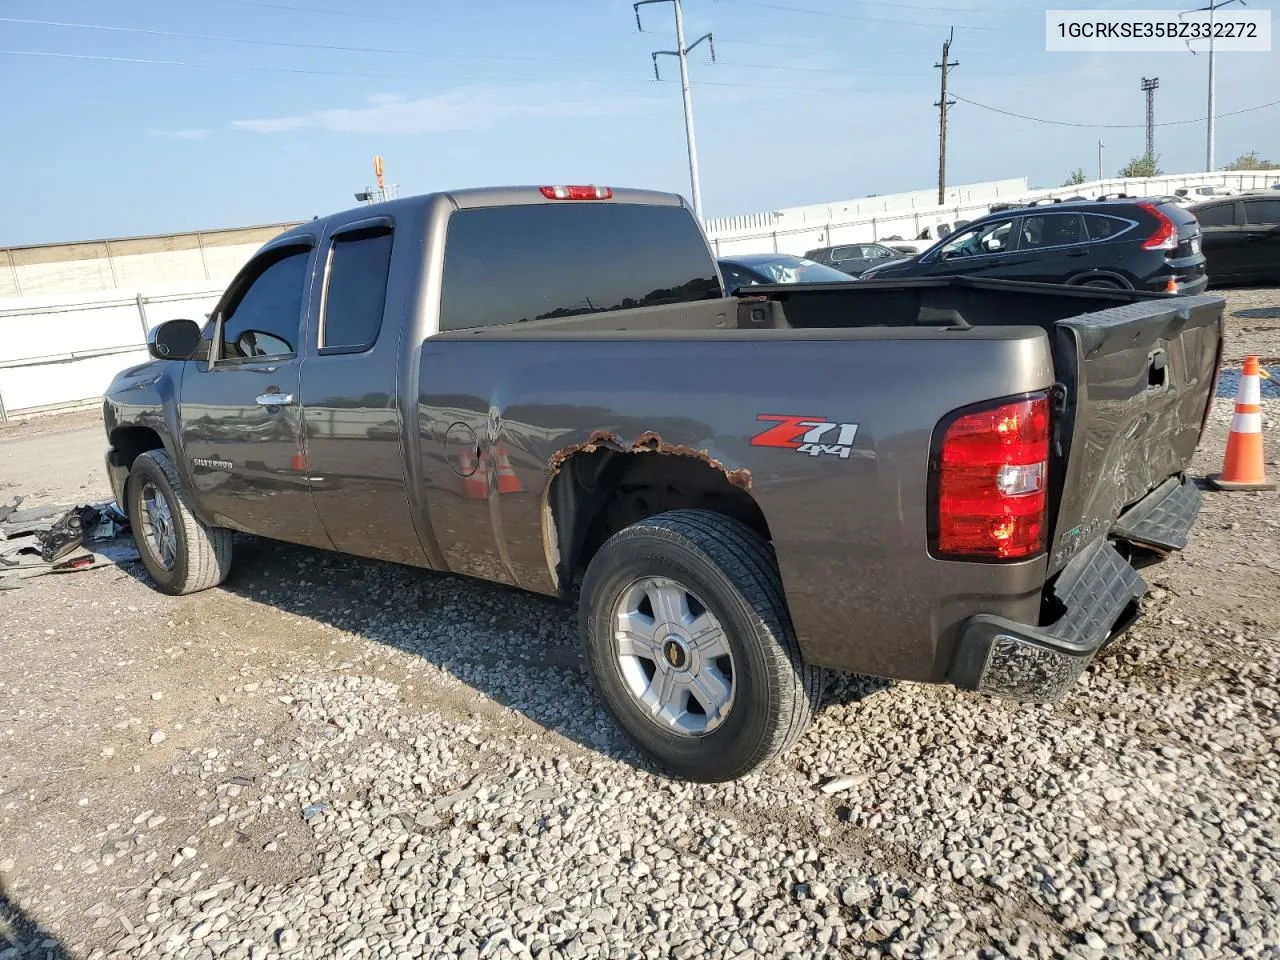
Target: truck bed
{"points": [[1131, 375]]}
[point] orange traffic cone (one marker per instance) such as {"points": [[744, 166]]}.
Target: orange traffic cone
{"points": [[1243, 467], [508, 482], [475, 485], [299, 460], [1171, 286]]}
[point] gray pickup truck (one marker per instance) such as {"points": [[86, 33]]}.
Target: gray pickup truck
{"points": [[942, 480]]}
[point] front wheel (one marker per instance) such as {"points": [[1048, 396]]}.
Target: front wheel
{"points": [[181, 553], [691, 648]]}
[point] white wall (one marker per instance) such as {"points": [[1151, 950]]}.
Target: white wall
{"points": [[63, 351], [788, 232], [131, 263], [844, 210]]}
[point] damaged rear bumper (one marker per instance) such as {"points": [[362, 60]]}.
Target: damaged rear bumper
{"points": [[1097, 594]]}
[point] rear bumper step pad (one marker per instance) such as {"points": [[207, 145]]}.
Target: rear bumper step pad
{"points": [[1162, 520]]}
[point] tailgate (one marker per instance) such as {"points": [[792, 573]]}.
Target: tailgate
{"points": [[1139, 379]]}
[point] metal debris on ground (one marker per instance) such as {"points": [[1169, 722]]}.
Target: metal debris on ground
{"points": [[61, 539]]}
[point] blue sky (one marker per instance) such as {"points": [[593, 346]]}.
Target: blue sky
{"points": [[253, 119]]}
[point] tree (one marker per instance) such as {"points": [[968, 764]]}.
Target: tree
{"points": [[1143, 166], [1077, 177], [1250, 161]]}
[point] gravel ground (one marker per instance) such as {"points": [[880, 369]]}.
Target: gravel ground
{"points": [[338, 758]]}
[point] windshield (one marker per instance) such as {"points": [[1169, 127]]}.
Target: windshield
{"points": [[796, 270]]}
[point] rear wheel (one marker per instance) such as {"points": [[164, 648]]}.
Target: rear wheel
{"points": [[691, 648], [181, 553]]}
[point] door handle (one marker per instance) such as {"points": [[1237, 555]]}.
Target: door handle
{"points": [[275, 399], [1077, 253]]}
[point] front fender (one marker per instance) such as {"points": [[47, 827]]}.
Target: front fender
{"points": [[145, 397]]}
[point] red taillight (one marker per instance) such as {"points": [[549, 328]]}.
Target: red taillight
{"points": [[1166, 235], [577, 193], [992, 483]]}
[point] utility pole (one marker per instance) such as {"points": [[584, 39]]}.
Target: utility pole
{"points": [[943, 104], [681, 53], [1211, 9], [1100, 146], [1149, 88]]}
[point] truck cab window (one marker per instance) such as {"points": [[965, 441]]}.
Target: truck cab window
{"points": [[590, 258], [262, 320], [356, 290]]}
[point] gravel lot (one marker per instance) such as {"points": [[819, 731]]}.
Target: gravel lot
{"points": [[331, 757]]}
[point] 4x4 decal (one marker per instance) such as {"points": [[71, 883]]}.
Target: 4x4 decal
{"points": [[812, 435]]}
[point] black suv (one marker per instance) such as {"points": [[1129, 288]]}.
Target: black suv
{"points": [[1121, 244]]}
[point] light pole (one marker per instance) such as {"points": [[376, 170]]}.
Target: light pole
{"points": [[1211, 9], [1100, 146]]}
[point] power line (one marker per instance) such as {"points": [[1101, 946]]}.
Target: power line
{"points": [[231, 68], [904, 6], [190, 63], [364, 13], [298, 44], [878, 50], [855, 16], [303, 45], [1109, 126], [860, 73], [876, 73]]}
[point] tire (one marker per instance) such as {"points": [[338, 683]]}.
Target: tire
{"points": [[728, 572], [1103, 285], [201, 555]]}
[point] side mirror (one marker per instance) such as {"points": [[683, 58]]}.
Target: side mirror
{"points": [[174, 340]]}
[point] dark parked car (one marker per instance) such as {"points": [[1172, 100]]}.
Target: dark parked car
{"points": [[756, 268], [1241, 237], [1123, 245], [853, 258]]}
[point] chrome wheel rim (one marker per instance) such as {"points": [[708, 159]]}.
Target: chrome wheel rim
{"points": [[157, 526], [673, 655]]}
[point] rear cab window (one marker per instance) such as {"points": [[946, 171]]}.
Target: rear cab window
{"points": [[539, 261], [355, 290]]}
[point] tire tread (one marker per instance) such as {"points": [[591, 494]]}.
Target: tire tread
{"points": [[208, 550], [747, 561]]}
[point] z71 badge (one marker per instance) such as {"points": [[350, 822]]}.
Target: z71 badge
{"points": [[812, 435]]}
